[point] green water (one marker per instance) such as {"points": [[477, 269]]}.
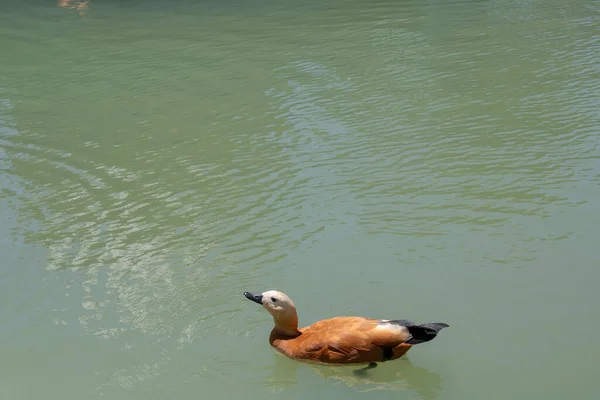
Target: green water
{"points": [[427, 160]]}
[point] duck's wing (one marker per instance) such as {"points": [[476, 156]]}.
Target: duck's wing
{"points": [[352, 340]]}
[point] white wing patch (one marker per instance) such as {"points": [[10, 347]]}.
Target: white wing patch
{"points": [[385, 325]]}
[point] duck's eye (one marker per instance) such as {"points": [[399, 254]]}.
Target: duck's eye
{"points": [[273, 299]]}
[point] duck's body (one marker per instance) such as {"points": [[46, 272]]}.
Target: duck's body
{"points": [[340, 340], [347, 340]]}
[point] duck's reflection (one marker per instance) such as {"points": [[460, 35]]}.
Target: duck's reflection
{"points": [[398, 375], [79, 5], [283, 373]]}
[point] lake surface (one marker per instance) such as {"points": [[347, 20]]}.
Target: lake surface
{"points": [[425, 160]]}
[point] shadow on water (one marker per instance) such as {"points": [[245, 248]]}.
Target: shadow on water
{"points": [[395, 376]]}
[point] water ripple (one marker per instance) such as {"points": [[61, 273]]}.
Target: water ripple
{"points": [[163, 174]]}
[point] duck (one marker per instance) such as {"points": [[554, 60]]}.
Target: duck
{"points": [[340, 340]]}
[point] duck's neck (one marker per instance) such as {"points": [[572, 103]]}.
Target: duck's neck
{"points": [[286, 325]]}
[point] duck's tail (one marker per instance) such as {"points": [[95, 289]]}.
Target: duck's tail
{"points": [[421, 333]]}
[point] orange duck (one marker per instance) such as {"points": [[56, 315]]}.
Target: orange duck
{"points": [[340, 340]]}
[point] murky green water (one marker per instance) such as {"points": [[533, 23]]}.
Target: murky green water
{"points": [[430, 160]]}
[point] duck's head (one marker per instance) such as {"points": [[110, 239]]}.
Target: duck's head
{"points": [[280, 306]]}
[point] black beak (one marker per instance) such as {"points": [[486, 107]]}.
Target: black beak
{"points": [[257, 298]]}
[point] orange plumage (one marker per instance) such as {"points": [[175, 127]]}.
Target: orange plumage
{"points": [[340, 340]]}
